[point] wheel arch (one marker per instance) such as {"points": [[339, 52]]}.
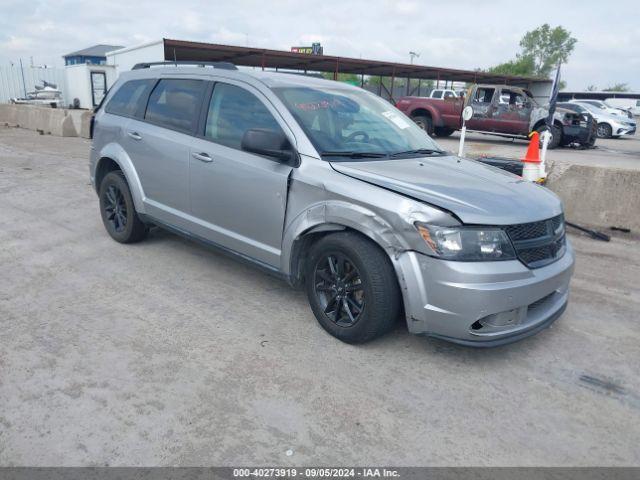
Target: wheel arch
{"points": [[542, 122], [113, 157], [104, 166], [321, 220], [428, 111]]}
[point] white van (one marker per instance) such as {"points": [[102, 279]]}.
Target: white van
{"points": [[630, 104]]}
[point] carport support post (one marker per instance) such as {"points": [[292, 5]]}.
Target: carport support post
{"points": [[380, 86], [393, 81]]}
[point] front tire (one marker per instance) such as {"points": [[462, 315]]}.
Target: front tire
{"points": [[352, 287], [118, 212], [604, 130], [556, 135]]}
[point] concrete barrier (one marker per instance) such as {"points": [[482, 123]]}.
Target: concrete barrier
{"points": [[53, 121], [81, 121], [597, 196]]}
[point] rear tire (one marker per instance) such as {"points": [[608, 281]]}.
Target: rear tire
{"points": [[118, 212], [604, 130], [424, 123], [352, 287]]}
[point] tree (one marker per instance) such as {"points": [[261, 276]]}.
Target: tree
{"points": [[541, 50], [547, 46], [618, 87], [523, 65], [351, 78], [592, 88]]}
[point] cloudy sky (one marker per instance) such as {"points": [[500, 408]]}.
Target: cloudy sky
{"points": [[460, 34]]}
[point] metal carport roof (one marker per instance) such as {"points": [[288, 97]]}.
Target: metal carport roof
{"points": [[266, 58]]}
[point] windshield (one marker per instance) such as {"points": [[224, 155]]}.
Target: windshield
{"points": [[596, 104], [573, 106], [590, 107], [347, 124]]}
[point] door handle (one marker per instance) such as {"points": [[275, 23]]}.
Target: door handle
{"points": [[203, 157], [135, 135]]}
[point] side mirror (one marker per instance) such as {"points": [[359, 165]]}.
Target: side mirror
{"points": [[269, 143]]}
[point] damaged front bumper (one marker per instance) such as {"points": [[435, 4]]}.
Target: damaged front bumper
{"points": [[482, 304]]}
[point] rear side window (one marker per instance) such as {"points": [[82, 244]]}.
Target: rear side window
{"points": [[130, 98], [233, 111], [175, 104], [437, 94]]}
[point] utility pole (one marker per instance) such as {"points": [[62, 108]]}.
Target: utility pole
{"points": [[413, 55]]}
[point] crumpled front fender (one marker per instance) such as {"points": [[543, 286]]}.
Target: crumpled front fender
{"points": [[338, 215]]}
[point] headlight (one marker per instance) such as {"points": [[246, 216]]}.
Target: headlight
{"points": [[467, 244]]}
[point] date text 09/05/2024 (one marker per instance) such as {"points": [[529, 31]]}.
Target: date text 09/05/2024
{"points": [[316, 472]]}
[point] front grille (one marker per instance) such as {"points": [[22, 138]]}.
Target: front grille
{"points": [[539, 243], [526, 231]]}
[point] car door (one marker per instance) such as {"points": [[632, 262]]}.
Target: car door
{"points": [[482, 104], [239, 198], [160, 145], [512, 112]]}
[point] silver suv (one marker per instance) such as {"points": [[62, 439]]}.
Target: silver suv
{"points": [[331, 188]]}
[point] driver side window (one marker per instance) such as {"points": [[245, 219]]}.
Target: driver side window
{"points": [[234, 110], [483, 95]]}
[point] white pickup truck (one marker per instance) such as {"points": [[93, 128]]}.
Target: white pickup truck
{"points": [[443, 93]]}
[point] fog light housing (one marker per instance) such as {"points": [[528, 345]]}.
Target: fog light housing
{"points": [[507, 318]]}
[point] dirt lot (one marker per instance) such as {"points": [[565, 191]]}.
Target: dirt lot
{"points": [[166, 353]]}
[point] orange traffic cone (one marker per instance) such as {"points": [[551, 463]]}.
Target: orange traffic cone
{"points": [[531, 168]]}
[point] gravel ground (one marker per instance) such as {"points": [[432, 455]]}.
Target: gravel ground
{"points": [[166, 353]]}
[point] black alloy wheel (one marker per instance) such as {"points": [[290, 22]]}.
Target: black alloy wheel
{"points": [[115, 208], [352, 287], [339, 290]]}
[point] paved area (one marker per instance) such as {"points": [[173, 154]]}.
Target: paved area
{"points": [[166, 353], [623, 152]]}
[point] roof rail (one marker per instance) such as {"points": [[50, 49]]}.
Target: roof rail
{"points": [[221, 65]]}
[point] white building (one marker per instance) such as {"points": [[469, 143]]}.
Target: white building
{"points": [[125, 58], [88, 83], [87, 75]]}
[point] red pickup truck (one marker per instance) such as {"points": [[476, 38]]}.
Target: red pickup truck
{"points": [[497, 110]]}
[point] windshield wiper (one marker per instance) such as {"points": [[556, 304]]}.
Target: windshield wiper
{"points": [[354, 154], [419, 151]]}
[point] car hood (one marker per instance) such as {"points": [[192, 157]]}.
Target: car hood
{"points": [[476, 193], [614, 118]]}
